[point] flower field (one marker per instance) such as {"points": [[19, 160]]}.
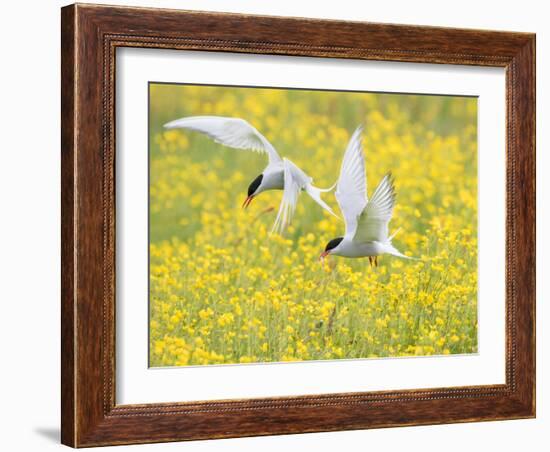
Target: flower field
{"points": [[223, 290]]}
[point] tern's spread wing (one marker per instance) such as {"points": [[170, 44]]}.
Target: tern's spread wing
{"points": [[233, 132], [295, 181], [351, 189], [373, 222]]}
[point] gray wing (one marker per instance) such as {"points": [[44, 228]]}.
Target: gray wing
{"points": [[295, 180], [373, 222], [233, 132], [351, 189]]}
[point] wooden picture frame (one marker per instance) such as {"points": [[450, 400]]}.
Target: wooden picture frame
{"points": [[90, 36]]}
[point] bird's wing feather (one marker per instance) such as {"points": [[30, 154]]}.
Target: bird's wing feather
{"points": [[295, 180], [373, 222], [351, 188], [233, 132]]}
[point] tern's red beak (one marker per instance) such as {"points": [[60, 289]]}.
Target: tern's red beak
{"points": [[247, 201], [323, 255]]}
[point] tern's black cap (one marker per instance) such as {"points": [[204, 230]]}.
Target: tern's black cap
{"points": [[255, 184], [333, 243]]}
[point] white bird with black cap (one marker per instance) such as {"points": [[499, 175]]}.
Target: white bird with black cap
{"points": [[366, 219], [279, 174]]}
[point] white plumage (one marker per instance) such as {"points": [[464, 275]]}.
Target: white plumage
{"points": [[367, 221], [232, 132], [279, 174], [351, 188]]}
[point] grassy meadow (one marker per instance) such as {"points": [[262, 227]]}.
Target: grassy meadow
{"points": [[223, 290]]}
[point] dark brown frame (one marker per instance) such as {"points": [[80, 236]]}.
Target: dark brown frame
{"points": [[90, 35]]}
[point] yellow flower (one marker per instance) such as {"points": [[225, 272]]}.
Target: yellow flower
{"points": [[225, 319], [206, 313]]}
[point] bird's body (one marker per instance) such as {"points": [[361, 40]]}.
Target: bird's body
{"points": [[273, 178], [279, 174], [348, 248], [366, 220]]}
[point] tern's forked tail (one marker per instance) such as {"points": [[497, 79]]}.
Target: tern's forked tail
{"points": [[325, 190], [390, 249], [315, 193]]}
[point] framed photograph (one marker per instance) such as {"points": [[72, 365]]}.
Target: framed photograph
{"points": [[282, 225]]}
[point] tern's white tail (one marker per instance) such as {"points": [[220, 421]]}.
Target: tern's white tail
{"points": [[315, 193], [325, 190], [390, 249]]}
